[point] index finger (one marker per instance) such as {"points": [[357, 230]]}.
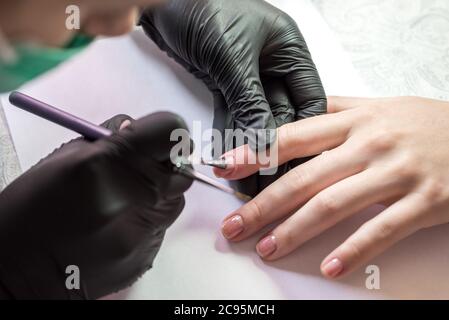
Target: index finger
{"points": [[339, 104], [300, 139]]}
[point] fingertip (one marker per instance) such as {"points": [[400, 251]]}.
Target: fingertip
{"points": [[230, 162], [125, 124], [267, 246], [332, 268], [219, 173], [241, 163]]}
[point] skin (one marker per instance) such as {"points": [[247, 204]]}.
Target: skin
{"points": [[370, 151], [43, 21]]}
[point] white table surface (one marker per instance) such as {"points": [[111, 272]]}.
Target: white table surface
{"points": [[130, 75]]}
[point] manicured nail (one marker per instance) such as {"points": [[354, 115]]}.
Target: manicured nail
{"points": [[125, 124], [232, 227], [333, 268], [219, 164], [228, 164], [266, 246]]}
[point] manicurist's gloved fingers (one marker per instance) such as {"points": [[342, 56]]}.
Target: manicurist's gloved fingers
{"points": [[250, 54], [290, 59], [306, 90], [153, 135], [145, 147], [301, 139], [148, 144], [245, 95], [278, 98]]}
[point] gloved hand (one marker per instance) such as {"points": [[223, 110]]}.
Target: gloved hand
{"points": [[102, 206], [250, 54]]}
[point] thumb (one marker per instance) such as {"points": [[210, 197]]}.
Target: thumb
{"points": [[156, 134]]}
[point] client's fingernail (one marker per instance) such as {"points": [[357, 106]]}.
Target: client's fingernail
{"points": [[125, 124], [232, 227], [266, 246], [229, 163], [333, 268], [219, 164]]}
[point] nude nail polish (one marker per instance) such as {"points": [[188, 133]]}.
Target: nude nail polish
{"points": [[232, 227], [266, 246], [333, 268]]}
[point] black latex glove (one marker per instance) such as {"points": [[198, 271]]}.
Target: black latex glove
{"points": [[102, 206], [250, 54]]}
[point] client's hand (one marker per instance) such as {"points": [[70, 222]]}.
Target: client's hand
{"points": [[391, 151]]}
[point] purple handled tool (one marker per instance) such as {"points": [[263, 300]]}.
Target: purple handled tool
{"points": [[93, 132], [85, 128]]}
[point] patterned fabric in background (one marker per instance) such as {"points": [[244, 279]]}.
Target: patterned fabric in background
{"points": [[399, 47], [9, 163]]}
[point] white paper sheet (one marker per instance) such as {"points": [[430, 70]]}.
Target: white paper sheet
{"points": [[130, 75]]}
